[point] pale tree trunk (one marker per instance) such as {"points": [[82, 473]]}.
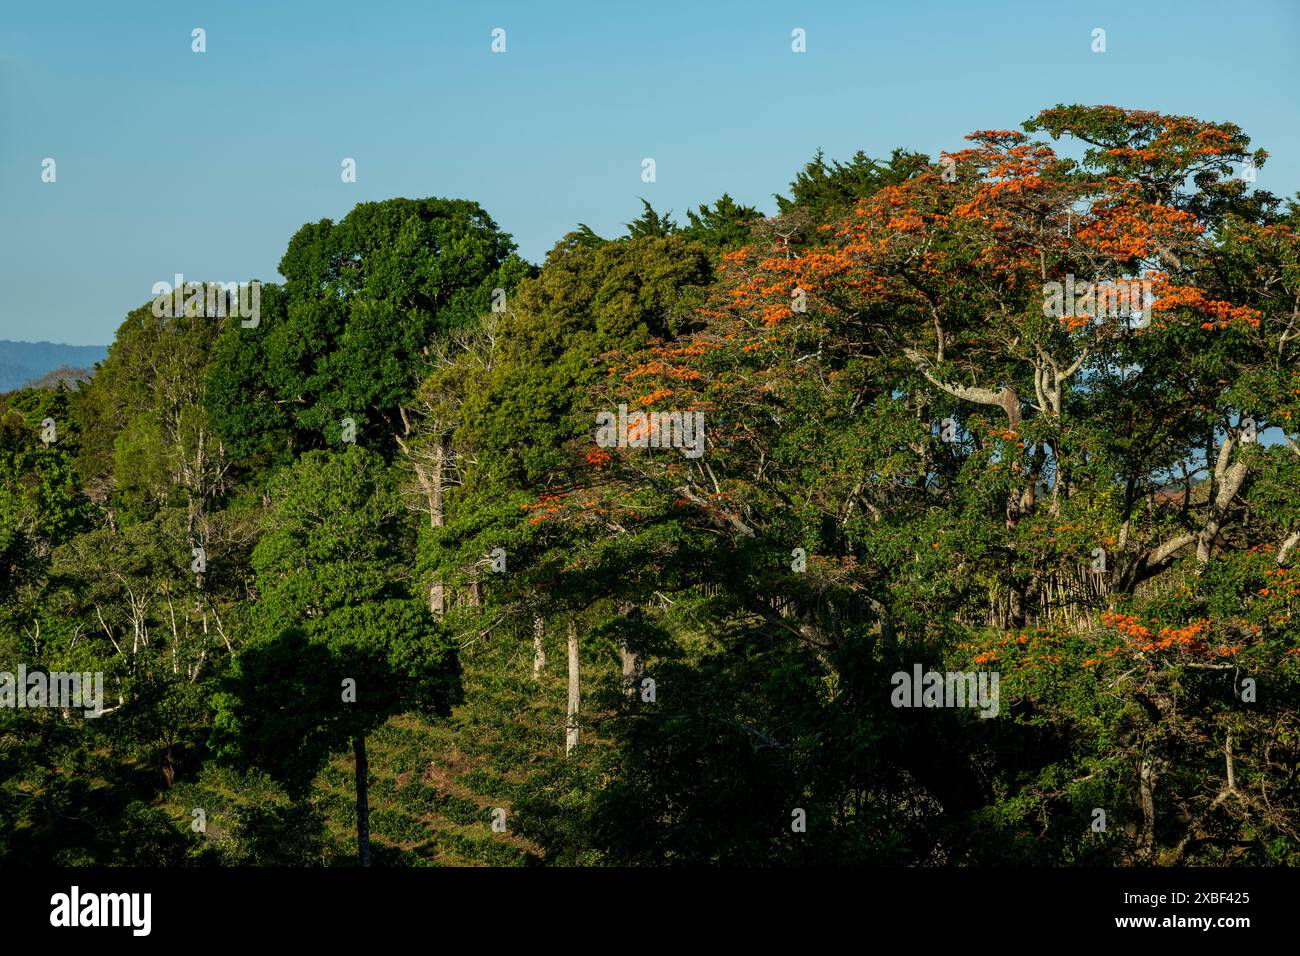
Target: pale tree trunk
{"points": [[1016, 603], [437, 590], [363, 801], [630, 659], [1227, 481], [430, 476], [1147, 776], [1286, 547], [631, 669], [571, 724], [539, 647]]}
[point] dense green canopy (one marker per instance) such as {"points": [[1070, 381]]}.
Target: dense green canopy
{"points": [[366, 579]]}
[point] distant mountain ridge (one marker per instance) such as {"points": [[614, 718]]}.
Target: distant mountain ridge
{"points": [[23, 362]]}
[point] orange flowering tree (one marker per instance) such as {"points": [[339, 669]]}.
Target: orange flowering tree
{"points": [[1017, 395]]}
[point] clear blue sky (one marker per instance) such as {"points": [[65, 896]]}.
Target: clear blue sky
{"points": [[205, 164]]}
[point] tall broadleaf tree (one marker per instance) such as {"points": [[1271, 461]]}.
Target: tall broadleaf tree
{"points": [[336, 642]]}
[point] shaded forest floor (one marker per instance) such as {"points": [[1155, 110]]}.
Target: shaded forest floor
{"points": [[434, 784]]}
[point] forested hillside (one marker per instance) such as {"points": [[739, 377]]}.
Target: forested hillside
{"points": [[403, 574], [23, 363]]}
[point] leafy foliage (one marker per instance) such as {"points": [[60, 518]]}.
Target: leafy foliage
{"points": [[910, 459]]}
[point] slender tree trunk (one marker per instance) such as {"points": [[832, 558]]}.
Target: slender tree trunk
{"points": [[1287, 546], [630, 659], [363, 801], [1016, 610], [631, 669], [571, 725], [1147, 776], [437, 590], [539, 647]]}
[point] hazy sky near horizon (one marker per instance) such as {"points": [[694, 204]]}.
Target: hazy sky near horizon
{"points": [[205, 164]]}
